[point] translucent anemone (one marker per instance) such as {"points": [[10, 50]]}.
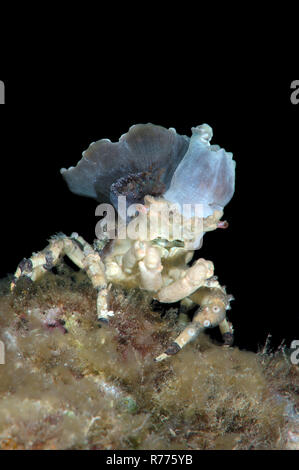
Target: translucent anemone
{"points": [[152, 160]]}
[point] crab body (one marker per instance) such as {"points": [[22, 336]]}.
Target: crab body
{"points": [[156, 253]]}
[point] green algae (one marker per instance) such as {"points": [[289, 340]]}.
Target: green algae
{"points": [[68, 384]]}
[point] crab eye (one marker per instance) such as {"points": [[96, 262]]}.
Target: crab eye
{"points": [[206, 323], [216, 309]]}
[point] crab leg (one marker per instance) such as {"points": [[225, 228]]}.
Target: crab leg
{"points": [[187, 335], [227, 331], [211, 313], [81, 253], [198, 275], [150, 270], [149, 264], [39, 263]]}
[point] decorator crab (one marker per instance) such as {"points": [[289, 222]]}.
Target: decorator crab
{"points": [[169, 191]]}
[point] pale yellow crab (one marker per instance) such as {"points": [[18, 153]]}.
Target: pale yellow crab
{"points": [[154, 255]]}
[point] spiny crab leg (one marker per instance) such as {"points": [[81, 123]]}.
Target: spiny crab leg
{"points": [[212, 312], [81, 253]]}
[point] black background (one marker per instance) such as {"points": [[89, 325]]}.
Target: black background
{"points": [[50, 118]]}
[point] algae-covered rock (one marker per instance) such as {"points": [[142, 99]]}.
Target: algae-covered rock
{"points": [[68, 384]]}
